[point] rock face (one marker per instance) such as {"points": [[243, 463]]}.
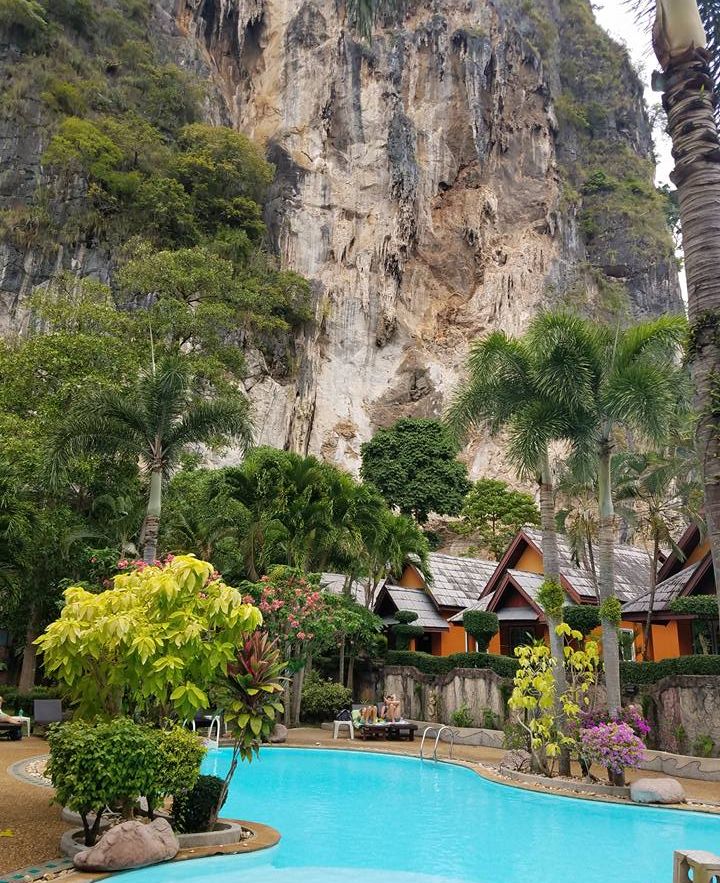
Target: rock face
{"points": [[437, 183], [130, 845], [658, 790]]}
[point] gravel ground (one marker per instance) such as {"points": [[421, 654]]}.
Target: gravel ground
{"points": [[26, 814]]}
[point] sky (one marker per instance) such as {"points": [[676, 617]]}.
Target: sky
{"points": [[619, 22]]}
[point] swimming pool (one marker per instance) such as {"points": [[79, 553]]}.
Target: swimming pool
{"points": [[351, 817]]}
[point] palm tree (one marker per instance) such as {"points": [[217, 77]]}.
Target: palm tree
{"points": [[154, 422], [387, 547], [631, 382], [658, 493], [502, 394], [679, 41]]}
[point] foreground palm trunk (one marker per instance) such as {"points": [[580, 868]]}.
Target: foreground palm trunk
{"points": [[688, 99], [551, 572], [606, 582], [152, 517]]}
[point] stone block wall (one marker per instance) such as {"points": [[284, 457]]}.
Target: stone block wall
{"points": [[684, 710]]}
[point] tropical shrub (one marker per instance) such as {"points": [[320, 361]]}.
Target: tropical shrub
{"points": [[613, 745], [462, 717], [322, 700], [582, 618], [404, 630], [628, 714], [154, 642], [179, 754], [96, 765], [196, 810], [481, 625]]}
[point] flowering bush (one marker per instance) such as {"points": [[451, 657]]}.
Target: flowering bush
{"points": [[291, 605], [613, 745], [630, 715]]}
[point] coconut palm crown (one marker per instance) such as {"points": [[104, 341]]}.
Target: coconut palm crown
{"points": [[155, 422]]}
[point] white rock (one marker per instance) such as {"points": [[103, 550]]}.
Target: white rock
{"points": [[657, 790]]}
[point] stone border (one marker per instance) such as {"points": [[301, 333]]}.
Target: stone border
{"points": [[228, 834], [686, 766], [567, 784], [17, 771]]}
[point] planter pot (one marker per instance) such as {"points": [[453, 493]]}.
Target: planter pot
{"points": [[73, 818], [225, 834]]}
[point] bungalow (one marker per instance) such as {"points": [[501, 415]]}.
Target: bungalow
{"points": [[512, 590], [684, 574], [456, 583]]}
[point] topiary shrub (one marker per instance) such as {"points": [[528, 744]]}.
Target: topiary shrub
{"points": [[582, 617], [481, 625], [322, 700], [404, 630], [96, 765], [193, 810]]}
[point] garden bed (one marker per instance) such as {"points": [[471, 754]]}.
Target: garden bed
{"points": [[566, 784]]}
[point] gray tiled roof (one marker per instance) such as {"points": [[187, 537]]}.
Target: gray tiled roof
{"points": [[417, 601], [665, 592], [632, 568], [335, 583], [457, 581], [480, 604]]}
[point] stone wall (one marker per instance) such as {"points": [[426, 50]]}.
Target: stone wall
{"points": [[434, 698], [684, 709]]}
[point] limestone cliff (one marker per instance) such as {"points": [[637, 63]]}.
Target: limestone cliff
{"points": [[454, 175]]}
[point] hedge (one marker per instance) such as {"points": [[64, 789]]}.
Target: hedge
{"points": [[437, 665], [14, 700], [638, 673]]}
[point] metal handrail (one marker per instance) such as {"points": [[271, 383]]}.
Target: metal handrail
{"points": [[438, 733]]}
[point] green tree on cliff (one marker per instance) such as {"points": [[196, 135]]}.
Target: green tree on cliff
{"points": [[414, 465], [494, 512]]}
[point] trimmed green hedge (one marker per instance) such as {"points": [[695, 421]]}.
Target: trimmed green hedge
{"points": [[638, 673], [437, 665]]}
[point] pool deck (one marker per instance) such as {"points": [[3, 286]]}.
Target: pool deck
{"points": [[30, 826]]}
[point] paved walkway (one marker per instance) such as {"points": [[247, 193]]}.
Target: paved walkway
{"points": [[34, 825]]}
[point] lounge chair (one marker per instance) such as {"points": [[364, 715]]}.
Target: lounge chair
{"points": [[47, 711], [10, 731]]}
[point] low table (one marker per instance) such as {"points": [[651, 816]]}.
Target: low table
{"points": [[397, 730]]}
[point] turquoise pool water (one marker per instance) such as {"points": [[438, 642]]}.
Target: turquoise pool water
{"points": [[348, 817]]}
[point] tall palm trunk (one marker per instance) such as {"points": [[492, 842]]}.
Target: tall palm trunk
{"points": [[647, 636], [606, 578], [152, 516], [688, 100], [551, 572]]}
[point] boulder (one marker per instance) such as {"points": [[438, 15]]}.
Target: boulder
{"points": [[279, 734], [657, 790], [517, 759], [130, 845]]}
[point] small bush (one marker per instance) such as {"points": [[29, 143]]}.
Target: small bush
{"points": [[490, 720], [179, 755], [582, 617], [404, 630], [703, 746], [462, 717], [322, 700], [515, 737], [638, 673], [481, 625], [96, 765], [192, 810]]}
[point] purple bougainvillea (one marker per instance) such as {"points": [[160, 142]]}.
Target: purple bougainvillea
{"points": [[613, 745], [630, 715]]}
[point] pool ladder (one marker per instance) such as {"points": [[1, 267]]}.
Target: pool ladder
{"points": [[438, 732]]}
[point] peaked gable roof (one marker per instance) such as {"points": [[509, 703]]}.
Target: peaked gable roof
{"points": [[457, 581], [682, 583], [632, 568], [415, 600], [687, 544]]}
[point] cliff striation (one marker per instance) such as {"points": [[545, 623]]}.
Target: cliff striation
{"points": [[457, 174]]}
